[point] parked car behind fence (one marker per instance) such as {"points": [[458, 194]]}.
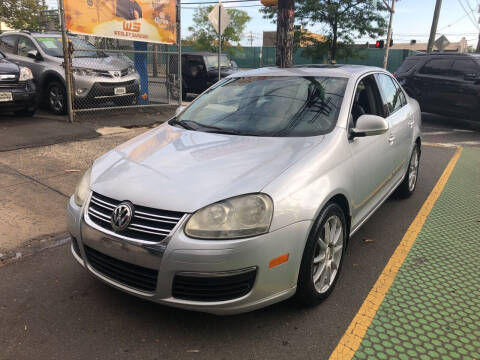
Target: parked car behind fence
{"points": [[17, 90], [98, 78]]}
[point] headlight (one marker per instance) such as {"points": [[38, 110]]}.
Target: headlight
{"points": [[83, 188], [25, 74], [241, 216], [131, 70], [84, 72]]}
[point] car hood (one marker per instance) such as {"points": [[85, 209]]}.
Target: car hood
{"points": [[8, 67], [105, 63], [175, 169]]}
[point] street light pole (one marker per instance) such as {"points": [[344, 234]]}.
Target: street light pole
{"points": [[433, 30]]}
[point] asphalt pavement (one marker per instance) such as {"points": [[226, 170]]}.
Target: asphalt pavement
{"points": [[51, 308]]}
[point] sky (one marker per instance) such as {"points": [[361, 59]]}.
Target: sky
{"points": [[412, 20]]}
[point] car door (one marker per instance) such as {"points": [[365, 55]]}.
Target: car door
{"points": [[196, 79], [400, 121], [431, 82], [465, 87], [371, 155]]}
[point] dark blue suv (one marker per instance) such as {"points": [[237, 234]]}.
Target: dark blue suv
{"points": [[443, 83], [17, 91]]}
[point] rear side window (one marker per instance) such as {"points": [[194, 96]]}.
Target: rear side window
{"points": [[436, 67], [463, 67], [407, 66], [7, 44], [393, 97]]}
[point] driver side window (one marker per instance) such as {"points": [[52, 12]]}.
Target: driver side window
{"points": [[366, 100], [24, 46]]}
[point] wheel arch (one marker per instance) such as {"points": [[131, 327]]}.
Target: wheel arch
{"points": [[47, 78]]}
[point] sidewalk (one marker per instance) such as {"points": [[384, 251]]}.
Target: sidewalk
{"points": [[47, 129], [432, 309]]}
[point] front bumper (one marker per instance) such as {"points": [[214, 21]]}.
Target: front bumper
{"points": [[100, 89], [179, 255], [24, 96]]}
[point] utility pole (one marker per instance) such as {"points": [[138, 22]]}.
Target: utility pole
{"points": [[391, 9], [433, 30], [285, 18], [478, 43]]}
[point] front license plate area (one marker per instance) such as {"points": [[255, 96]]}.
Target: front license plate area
{"points": [[120, 91], [6, 96]]}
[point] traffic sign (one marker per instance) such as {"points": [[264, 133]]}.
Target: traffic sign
{"points": [[219, 15]]}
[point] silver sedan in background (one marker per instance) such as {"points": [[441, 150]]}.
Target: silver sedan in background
{"points": [[249, 195]]}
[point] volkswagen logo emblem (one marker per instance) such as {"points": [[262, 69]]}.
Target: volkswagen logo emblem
{"points": [[121, 216]]}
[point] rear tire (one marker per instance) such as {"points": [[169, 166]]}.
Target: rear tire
{"points": [[56, 97], [409, 183], [322, 257]]}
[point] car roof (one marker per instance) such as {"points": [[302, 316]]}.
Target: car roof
{"points": [[346, 71]]}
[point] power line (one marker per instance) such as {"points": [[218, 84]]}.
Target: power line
{"points": [[468, 14], [453, 23]]}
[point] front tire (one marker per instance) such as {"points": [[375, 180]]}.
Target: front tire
{"points": [[322, 257], [56, 98], [409, 183]]}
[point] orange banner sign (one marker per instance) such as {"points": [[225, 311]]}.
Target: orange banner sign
{"points": [[141, 20]]}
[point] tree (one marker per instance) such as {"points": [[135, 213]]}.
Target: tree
{"points": [[204, 36], [21, 14], [343, 20]]}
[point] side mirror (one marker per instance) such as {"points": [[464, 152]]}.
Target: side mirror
{"points": [[34, 54], [179, 110], [369, 125]]}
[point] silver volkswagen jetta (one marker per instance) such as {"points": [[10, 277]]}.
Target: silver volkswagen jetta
{"points": [[249, 195]]}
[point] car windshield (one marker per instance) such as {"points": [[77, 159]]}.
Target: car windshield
{"points": [[53, 46], [212, 61], [278, 106]]}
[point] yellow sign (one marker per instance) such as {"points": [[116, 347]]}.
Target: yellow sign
{"points": [[141, 20]]}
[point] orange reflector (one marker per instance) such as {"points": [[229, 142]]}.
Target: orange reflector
{"points": [[277, 261]]}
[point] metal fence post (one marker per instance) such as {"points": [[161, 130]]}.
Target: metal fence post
{"points": [[66, 62], [179, 50]]}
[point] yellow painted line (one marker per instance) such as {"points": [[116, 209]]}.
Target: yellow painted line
{"points": [[353, 336]]}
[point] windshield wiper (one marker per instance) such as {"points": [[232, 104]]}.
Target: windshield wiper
{"points": [[182, 123]]}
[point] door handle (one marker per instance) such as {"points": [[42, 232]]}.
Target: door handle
{"points": [[391, 139]]}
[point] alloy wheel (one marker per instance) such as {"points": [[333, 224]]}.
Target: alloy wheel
{"points": [[328, 254], [413, 170], [55, 97]]}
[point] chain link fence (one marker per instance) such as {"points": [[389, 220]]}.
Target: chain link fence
{"points": [[118, 74]]}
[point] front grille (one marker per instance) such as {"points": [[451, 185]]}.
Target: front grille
{"points": [[134, 276], [116, 84], [12, 85], [213, 288], [147, 224]]}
